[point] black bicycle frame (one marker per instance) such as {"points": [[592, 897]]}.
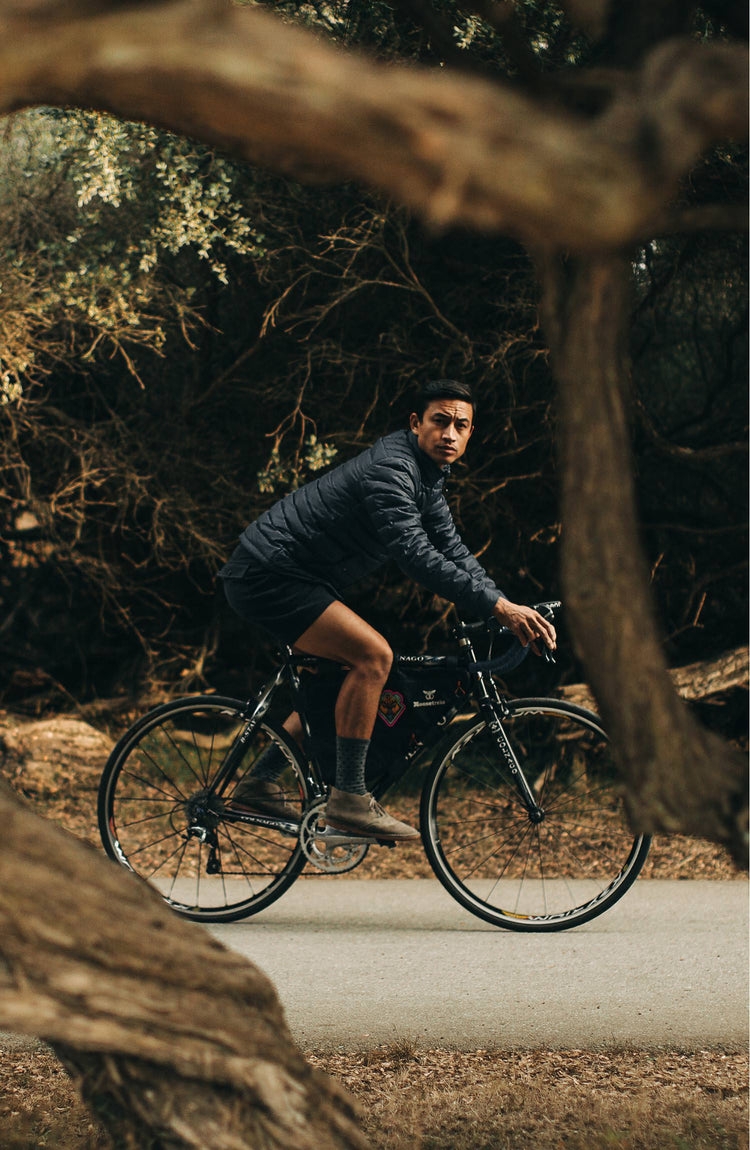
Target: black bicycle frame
{"points": [[492, 707], [493, 710]]}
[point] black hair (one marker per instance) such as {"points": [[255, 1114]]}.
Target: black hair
{"points": [[443, 389]]}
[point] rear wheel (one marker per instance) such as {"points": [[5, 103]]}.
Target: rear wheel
{"points": [[157, 817], [559, 870]]}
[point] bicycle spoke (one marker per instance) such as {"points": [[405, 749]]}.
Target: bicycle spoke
{"points": [[181, 846], [467, 843], [490, 851], [152, 844], [187, 762], [150, 783], [179, 864], [492, 854], [239, 861], [145, 819], [157, 813], [237, 847]]}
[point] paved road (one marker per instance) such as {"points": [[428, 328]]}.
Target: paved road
{"points": [[359, 963]]}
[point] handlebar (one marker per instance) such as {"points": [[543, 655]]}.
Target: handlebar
{"points": [[516, 653]]}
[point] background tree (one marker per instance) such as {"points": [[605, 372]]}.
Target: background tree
{"points": [[573, 138], [581, 151]]}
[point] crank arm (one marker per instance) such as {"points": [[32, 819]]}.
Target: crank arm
{"points": [[341, 838]]}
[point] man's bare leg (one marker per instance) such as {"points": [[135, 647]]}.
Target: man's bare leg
{"points": [[341, 635]]}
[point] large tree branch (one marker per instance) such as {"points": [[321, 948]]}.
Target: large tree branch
{"points": [[692, 681], [165, 1029], [458, 150]]}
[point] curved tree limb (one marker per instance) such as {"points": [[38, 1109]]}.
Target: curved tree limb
{"points": [[456, 149], [677, 775], [698, 680], [165, 1029]]}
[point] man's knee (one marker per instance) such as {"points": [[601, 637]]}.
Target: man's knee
{"points": [[376, 661]]}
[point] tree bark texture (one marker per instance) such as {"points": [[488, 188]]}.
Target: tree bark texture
{"points": [[693, 681], [456, 149], [175, 1041], [677, 775]]}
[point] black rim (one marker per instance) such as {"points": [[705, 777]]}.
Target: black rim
{"points": [[546, 871], [158, 818]]}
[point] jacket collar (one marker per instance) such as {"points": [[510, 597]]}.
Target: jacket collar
{"points": [[432, 472]]}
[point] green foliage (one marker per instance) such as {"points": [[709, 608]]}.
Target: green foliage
{"points": [[102, 218], [284, 476]]}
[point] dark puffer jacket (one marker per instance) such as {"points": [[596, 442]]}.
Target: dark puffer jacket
{"points": [[386, 503]]}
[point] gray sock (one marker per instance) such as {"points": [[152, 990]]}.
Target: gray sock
{"points": [[351, 755], [266, 769]]}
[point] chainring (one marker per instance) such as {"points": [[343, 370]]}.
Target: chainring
{"points": [[329, 857]]}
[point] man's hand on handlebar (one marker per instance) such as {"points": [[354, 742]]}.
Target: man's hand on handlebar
{"points": [[526, 624]]}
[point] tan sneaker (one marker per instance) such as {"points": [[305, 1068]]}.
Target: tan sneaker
{"points": [[362, 815], [260, 797]]}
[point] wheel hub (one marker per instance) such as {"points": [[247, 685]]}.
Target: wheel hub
{"points": [[203, 812]]}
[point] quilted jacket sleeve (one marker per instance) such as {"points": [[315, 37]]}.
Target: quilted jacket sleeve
{"points": [[439, 525], [390, 500]]}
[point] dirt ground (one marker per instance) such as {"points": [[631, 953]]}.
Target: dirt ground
{"points": [[448, 1100], [441, 1099]]}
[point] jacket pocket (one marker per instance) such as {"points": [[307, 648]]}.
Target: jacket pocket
{"points": [[235, 569]]}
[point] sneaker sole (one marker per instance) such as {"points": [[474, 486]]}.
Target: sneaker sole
{"points": [[374, 835]]}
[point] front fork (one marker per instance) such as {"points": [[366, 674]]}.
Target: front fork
{"points": [[494, 709]]}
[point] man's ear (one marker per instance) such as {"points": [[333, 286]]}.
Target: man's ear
{"points": [[414, 421]]}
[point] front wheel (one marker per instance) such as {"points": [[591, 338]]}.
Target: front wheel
{"points": [[159, 817], [558, 868]]}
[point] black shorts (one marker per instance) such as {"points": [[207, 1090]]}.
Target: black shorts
{"points": [[281, 601]]}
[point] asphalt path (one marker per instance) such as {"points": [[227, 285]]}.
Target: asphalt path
{"points": [[358, 963]]}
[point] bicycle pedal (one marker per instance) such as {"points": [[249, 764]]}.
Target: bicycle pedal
{"points": [[341, 838]]}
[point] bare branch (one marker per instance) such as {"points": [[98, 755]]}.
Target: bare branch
{"points": [[702, 218]]}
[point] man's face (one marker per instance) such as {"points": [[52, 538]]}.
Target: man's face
{"points": [[444, 430]]}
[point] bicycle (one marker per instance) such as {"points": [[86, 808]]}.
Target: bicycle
{"points": [[521, 815]]}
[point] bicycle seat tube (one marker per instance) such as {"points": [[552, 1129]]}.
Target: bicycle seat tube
{"points": [[234, 755]]}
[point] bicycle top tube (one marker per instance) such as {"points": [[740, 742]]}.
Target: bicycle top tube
{"points": [[501, 664]]}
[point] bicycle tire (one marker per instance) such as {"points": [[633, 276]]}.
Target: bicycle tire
{"points": [[157, 772], [482, 844]]}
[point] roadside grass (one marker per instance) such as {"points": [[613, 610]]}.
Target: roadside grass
{"points": [[459, 1100], [545, 1100], [419, 1099]]}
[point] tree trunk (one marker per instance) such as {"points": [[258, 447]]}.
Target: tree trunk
{"points": [[678, 777], [175, 1041]]}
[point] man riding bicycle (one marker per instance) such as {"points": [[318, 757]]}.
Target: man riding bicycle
{"points": [[291, 564]]}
